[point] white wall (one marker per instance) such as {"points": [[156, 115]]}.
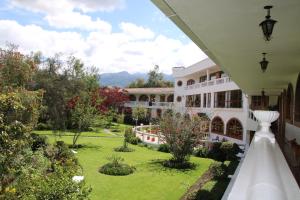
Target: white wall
{"points": [[292, 132]]}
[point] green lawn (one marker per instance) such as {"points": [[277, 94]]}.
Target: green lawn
{"points": [[150, 180]]}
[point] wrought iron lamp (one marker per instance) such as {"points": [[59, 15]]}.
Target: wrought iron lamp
{"points": [[264, 63], [268, 24]]}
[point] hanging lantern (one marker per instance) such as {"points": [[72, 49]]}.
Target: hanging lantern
{"points": [[268, 24], [264, 63]]}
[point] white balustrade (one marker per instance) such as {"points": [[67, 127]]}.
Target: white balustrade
{"points": [[208, 83], [264, 174], [148, 104]]}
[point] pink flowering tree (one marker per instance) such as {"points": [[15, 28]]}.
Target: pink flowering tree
{"points": [[182, 134]]}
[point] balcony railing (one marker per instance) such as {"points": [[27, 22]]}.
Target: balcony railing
{"points": [[149, 104], [208, 83], [264, 172]]}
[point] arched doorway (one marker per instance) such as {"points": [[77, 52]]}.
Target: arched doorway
{"points": [[144, 97], [217, 125], [234, 129], [132, 97]]}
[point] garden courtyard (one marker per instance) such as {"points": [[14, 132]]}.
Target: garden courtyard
{"points": [[149, 181]]}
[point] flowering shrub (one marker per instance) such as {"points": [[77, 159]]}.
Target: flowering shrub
{"points": [[182, 135]]}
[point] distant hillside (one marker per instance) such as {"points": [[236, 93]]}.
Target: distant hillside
{"points": [[123, 79]]}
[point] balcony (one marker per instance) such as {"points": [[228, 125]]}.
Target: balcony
{"points": [[264, 172], [218, 81], [148, 104]]}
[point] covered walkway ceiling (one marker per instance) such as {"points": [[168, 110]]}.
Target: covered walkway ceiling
{"points": [[229, 33]]}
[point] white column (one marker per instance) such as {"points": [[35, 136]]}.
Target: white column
{"points": [[212, 102], [207, 75]]}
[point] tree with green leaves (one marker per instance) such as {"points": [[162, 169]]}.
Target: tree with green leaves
{"points": [[83, 114], [139, 113], [62, 80], [27, 171]]}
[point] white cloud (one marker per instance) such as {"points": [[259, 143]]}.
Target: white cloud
{"points": [[56, 6], [63, 13], [69, 20], [110, 52], [136, 32]]}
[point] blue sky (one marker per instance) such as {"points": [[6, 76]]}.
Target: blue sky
{"points": [[113, 35]]}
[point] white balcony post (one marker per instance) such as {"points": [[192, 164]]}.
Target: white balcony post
{"points": [[264, 173]]}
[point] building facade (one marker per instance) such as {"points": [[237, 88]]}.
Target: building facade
{"points": [[201, 89]]}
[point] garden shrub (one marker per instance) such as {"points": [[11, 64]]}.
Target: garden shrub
{"points": [[217, 170], [216, 153], [130, 137], [164, 148], [212, 190], [230, 150], [231, 166], [116, 167], [135, 140], [201, 152], [172, 163], [38, 141]]}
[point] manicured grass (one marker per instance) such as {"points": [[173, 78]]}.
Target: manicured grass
{"points": [[149, 181]]}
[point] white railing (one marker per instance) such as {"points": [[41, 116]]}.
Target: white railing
{"points": [[146, 135], [264, 173], [208, 83], [148, 104]]}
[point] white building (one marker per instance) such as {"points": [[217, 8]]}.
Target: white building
{"points": [[156, 100], [205, 89], [201, 89]]}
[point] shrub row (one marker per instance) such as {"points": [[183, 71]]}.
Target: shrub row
{"points": [[220, 151]]}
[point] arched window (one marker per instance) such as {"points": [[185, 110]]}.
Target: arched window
{"points": [[234, 129], [170, 98], [217, 125], [162, 98], [144, 98], [289, 103], [297, 102], [179, 83], [190, 82], [132, 97]]}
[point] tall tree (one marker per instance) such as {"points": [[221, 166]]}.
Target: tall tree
{"points": [[155, 79], [16, 69], [62, 80]]}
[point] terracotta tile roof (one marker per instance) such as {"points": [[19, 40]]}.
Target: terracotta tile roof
{"points": [[150, 90]]}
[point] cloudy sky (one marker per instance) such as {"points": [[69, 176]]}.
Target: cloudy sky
{"points": [[113, 35]]}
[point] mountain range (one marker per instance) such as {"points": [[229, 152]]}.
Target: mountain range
{"points": [[123, 79]]}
